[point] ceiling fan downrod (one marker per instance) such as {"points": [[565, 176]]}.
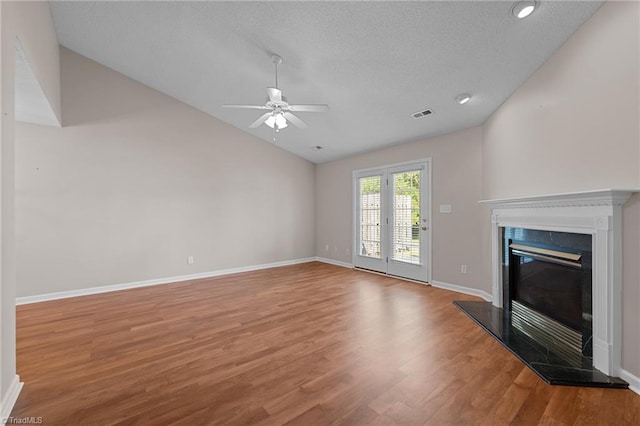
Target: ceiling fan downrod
{"points": [[277, 60]]}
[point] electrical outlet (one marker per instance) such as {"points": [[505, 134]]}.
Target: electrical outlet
{"points": [[326, 248], [463, 269], [190, 260]]}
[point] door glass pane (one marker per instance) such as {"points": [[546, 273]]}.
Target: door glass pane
{"points": [[406, 217], [370, 216]]}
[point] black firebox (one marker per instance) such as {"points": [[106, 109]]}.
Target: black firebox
{"points": [[547, 288]]}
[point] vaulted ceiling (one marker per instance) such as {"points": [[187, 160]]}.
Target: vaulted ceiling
{"points": [[374, 63]]}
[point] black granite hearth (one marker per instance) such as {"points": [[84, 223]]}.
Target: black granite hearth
{"points": [[551, 367]]}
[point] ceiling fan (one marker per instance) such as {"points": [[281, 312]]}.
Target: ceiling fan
{"points": [[280, 112]]}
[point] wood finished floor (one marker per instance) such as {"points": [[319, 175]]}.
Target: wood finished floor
{"points": [[309, 344]]}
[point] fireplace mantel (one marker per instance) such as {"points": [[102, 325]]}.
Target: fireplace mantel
{"points": [[604, 197], [598, 213]]}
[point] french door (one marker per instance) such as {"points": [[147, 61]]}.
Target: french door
{"points": [[392, 221]]}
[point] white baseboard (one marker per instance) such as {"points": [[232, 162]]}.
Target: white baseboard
{"points": [[460, 289], [9, 399], [334, 262], [634, 381], [125, 286], [438, 284]]}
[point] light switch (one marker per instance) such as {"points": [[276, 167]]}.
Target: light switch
{"points": [[445, 208]]}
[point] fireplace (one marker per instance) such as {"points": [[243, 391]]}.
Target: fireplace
{"points": [[547, 287], [557, 276], [594, 214]]}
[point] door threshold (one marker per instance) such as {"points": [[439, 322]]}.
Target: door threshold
{"points": [[371, 271]]}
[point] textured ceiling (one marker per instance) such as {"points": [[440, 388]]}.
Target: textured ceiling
{"points": [[374, 63]]}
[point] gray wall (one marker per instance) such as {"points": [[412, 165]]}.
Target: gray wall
{"points": [[135, 182]]}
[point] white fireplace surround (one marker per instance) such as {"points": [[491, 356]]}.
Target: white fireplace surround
{"points": [[596, 213]]}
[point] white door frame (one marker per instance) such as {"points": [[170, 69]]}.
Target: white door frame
{"points": [[384, 233]]}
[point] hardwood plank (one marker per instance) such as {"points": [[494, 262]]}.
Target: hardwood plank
{"points": [[306, 344]]}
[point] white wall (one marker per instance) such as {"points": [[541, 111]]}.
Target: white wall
{"points": [[575, 126], [33, 25], [457, 238], [31, 22], [135, 182], [7, 277]]}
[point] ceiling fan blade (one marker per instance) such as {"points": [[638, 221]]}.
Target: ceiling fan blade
{"points": [[308, 108], [260, 120], [246, 106], [294, 120], [275, 94]]}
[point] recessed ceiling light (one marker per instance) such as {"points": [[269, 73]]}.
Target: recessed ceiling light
{"points": [[522, 9], [463, 98]]}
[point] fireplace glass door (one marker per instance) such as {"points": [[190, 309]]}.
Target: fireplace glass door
{"points": [[548, 288]]}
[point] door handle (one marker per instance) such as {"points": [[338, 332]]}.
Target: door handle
{"points": [[424, 228]]}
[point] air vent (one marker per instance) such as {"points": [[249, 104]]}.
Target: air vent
{"points": [[421, 114]]}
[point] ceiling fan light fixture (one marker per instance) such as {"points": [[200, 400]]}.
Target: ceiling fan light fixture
{"points": [[276, 120], [281, 122], [524, 8], [271, 121], [463, 98]]}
